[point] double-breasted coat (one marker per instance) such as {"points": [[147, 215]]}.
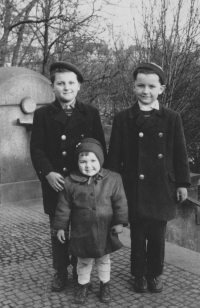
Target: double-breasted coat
{"points": [[54, 139], [150, 153], [92, 206]]}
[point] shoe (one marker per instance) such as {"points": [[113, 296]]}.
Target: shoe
{"points": [[155, 284], [81, 294], [74, 273], [140, 285], [105, 295], [59, 281]]}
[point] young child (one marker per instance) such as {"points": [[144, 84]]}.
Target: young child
{"points": [[57, 128], [94, 202], [147, 147]]}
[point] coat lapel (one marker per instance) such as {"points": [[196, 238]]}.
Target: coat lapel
{"points": [[141, 121], [57, 113], [78, 116]]}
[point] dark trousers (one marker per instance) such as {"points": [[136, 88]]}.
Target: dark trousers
{"points": [[61, 259], [147, 247]]}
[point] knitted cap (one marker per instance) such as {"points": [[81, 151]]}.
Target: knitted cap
{"points": [[153, 67], [69, 66], [91, 145]]}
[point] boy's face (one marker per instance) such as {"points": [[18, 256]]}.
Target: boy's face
{"points": [[88, 164], [66, 86], [147, 87]]}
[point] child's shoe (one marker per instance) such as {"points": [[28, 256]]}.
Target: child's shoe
{"points": [[105, 295], [81, 294], [140, 284], [155, 284]]}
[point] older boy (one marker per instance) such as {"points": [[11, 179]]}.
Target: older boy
{"points": [[57, 128], [148, 148]]}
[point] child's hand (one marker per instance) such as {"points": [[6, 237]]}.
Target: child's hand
{"points": [[117, 229], [61, 236], [55, 180], [181, 193]]}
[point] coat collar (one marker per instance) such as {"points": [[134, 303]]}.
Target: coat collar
{"points": [[140, 120], [77, 176], [78, 116]]}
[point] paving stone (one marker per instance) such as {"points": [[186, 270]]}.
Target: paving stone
{"points": [[26, 271]]}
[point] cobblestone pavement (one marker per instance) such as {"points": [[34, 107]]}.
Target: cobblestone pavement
{"points": [[26, 270]]}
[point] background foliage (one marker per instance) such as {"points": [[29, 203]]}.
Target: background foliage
{"points": [[34, 33]]}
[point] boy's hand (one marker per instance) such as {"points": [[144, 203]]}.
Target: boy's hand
{"points": [[55, 180], [61, 236], [181, 193], [117, 229]]}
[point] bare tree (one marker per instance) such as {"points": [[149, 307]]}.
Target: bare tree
{"points": [[52, 26], [168, 34]]}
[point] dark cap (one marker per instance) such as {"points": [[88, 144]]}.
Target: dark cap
{"points": [[69, 66], [153, 67], [91, 145]]}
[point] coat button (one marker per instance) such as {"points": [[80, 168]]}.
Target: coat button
{"points": [[141, 135], [64, 169], [64, 153], [160, 156], [160, 135], [63, 137], [141, 176]]}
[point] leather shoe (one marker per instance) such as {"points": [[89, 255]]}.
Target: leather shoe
{"points": [[155, 284], [59, 281], [140, 285], [105, 296], [81, 294]]}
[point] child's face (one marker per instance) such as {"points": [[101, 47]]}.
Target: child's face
{"points": [[147, 87], [88, 164], [66, 86]]}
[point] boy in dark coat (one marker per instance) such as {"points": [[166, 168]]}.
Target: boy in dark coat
{"points": [[57, 128], [94, 201], [147, 147]]}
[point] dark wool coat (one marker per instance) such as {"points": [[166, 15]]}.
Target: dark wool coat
{"points": [[54, 139], [92, 207], [151, 155]]}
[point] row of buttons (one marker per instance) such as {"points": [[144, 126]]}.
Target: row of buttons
{"points": [[64, 153], [160, 156], [63, 137], [141, 176], [142, 135]]}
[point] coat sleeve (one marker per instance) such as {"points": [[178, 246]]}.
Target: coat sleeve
{"points": [[98, 133], [181, 165], [38, 153], [115, 146], [119, 203], [63, 210]]}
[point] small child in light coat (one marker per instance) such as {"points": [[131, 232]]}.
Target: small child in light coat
{"points": [[94, 202]]}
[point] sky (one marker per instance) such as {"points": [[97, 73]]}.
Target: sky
{"points": [[121, 18]]}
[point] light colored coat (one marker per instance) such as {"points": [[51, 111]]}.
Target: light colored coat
{"points": [[92, 207]]}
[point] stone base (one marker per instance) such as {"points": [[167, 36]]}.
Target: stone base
{"points": [[19, 191]]}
